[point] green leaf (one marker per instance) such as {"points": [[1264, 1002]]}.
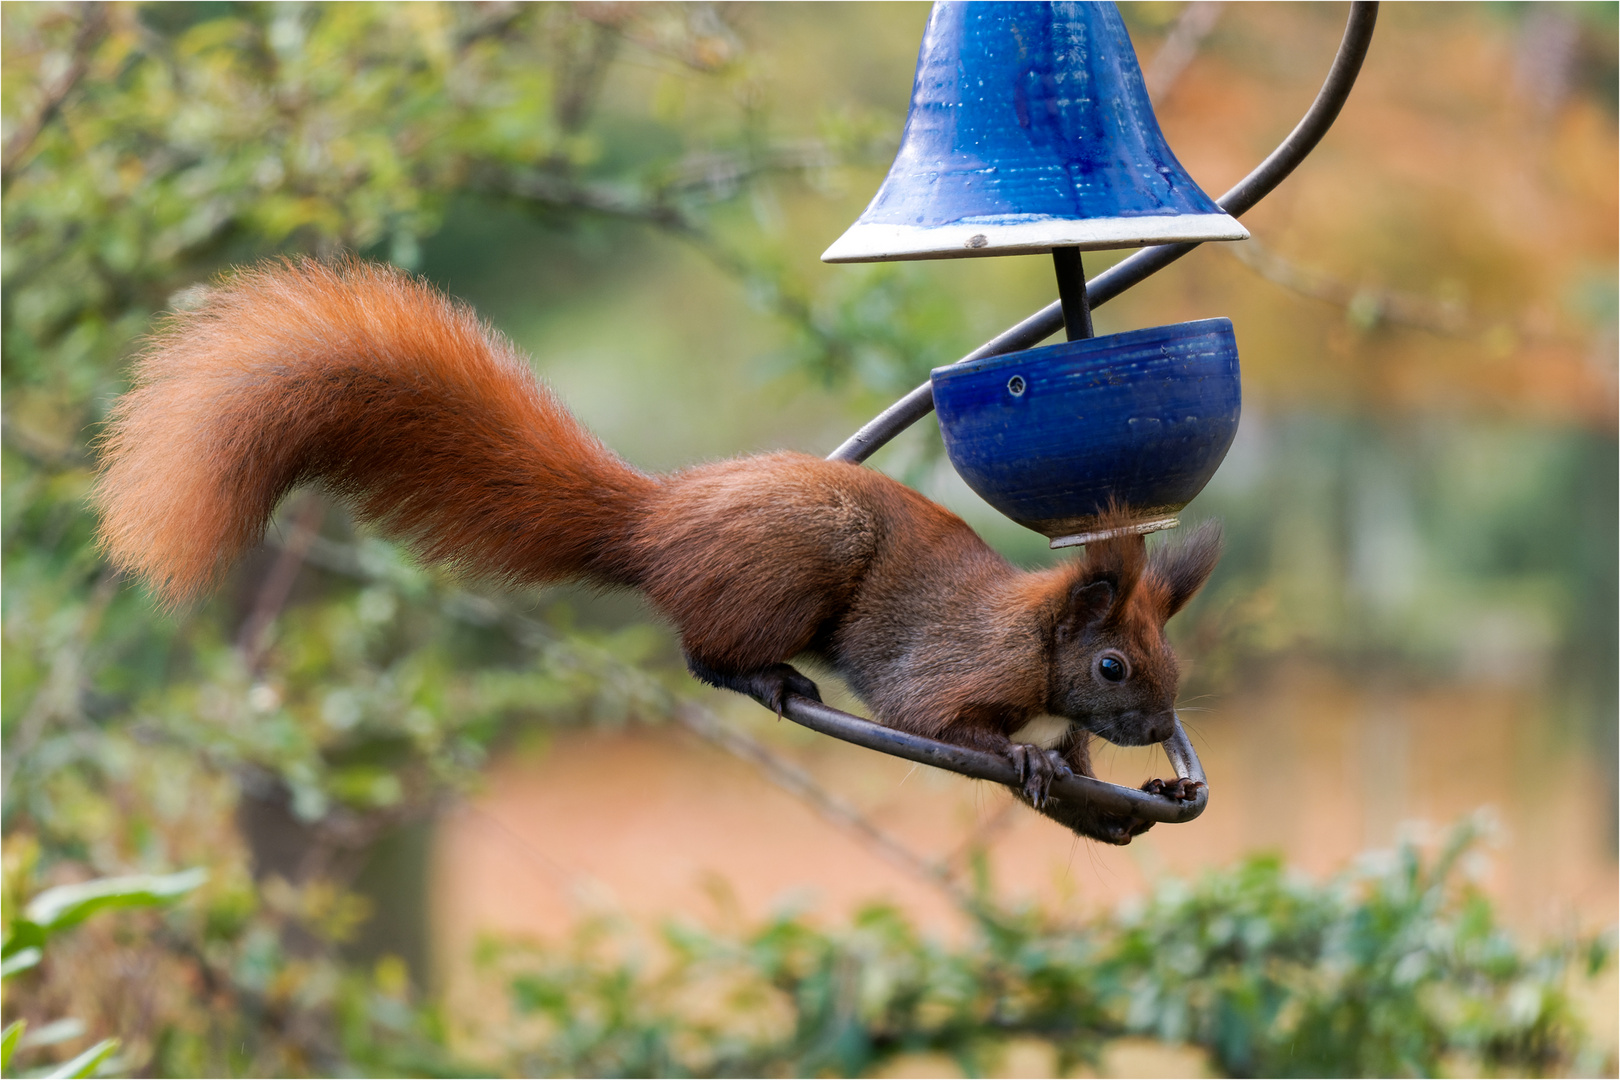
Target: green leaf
{"points": [[8, 1041], [21, 937], [68, 905], [85, 1064], [69, 1027], [21, 960]]}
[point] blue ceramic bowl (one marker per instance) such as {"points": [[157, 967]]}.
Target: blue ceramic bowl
{"points": [[1050, 436]]}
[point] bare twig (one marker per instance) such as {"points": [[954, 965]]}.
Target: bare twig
{"points": [[59, 697], [547, 188], [277, 584], [1367, 307], [42, 448], [1192, 26], [661, 210], [1547, 46], [722, 174], [983, 832], [92, 25], [575, 886], [581, 70], [706, 41], [715, 175], [794, 780], [488, 21]]}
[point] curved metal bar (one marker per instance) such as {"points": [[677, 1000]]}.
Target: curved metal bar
{"points": [[1114, 798], [1110, 283], [1138, 267]]}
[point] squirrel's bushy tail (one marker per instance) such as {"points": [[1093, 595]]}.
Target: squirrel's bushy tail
{"points": [[393, 397]]}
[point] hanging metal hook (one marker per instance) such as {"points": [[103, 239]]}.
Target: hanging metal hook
{"points": [[1149, 261], [919, 403]]}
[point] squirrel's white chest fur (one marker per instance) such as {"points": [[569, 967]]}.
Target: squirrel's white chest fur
{"points": [[1044, 731]]}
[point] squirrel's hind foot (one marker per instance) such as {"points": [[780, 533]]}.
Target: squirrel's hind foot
{"points": [[1115, 829], [770, 686]]}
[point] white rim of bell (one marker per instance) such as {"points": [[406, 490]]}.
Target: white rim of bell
{"points": [[1140, 528], [1011, 236]]}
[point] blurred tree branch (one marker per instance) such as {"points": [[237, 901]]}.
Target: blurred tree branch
{"points": [[92, 21], [1195, 23], [59, 697], [829, 807], [1367, 307], [278, 582]]}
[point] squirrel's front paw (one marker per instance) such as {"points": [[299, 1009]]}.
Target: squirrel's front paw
{"points": [[1037, 769], [1180, 789]]}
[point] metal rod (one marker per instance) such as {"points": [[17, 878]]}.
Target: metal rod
{"points": [[1032, 331], [1114, 798], [1071, 279], [1142, 265]]}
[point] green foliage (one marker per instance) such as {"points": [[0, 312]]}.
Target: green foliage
{"points": [[148, 147], [87, 1063], [59, 909], [8, 1041], [55, 910], [1395, 969], [1392, 971], [189, 138]]}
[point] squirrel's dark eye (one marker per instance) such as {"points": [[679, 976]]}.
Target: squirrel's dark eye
{"points": [[1112, 668]]}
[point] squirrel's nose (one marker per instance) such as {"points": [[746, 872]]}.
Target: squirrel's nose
{"points": [[1162, 727]]}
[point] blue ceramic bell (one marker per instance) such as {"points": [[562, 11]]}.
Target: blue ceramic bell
{"points": [[1030, 129]]}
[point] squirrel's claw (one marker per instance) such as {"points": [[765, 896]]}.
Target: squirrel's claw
{"points": [[1180, 788], [780, 680], [1037, 769]]}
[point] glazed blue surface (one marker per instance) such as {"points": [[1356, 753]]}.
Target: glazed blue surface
{"points": [[1030, 109], [1048, 436]]}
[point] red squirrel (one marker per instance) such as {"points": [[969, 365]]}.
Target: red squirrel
{"points": [[431, 426]]}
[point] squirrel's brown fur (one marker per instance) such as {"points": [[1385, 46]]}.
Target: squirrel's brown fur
{"points": [[432, 427]]}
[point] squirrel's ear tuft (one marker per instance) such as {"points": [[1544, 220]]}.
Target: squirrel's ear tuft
{"points": [[1089, 602], [1101, 584], [1184, 567]]}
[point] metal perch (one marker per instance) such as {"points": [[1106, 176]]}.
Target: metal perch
{"points": [[1031, 331]]}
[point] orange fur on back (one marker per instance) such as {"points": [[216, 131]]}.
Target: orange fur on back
{"points": [[395, 398]]}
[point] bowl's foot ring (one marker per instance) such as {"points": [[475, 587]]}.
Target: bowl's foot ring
{"points": [[1140, 528]]}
